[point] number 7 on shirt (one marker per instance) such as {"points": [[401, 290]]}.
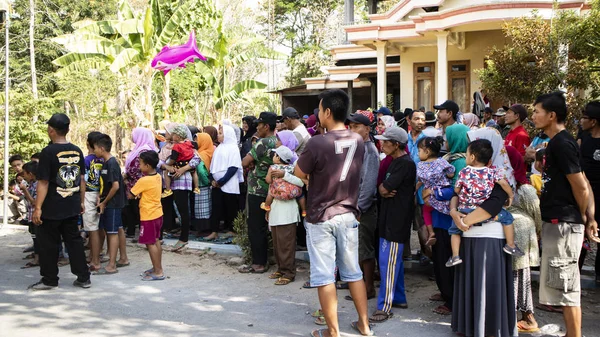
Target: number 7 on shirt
{"points": [[340, 145]]}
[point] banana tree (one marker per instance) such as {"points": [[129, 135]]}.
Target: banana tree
{"points": [[126, 46]]}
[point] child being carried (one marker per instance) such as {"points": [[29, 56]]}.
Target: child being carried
{"points": [[182, 153]]}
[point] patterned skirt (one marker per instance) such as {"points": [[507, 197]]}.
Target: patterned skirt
{"points": [[523, 293], [202, 203]]}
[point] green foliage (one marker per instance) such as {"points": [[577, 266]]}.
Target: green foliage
{"points": [[542, 56], [241, 239]]}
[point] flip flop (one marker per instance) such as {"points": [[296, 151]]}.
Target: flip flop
{"points": [[121, 265], [354, 326], [319, 333], [320, 320], [149, 271], [436, 298], [442, 310], [30, 265], [94, 268], [249, 270], [275, 275], [317, 313], [282, 281], [179, 246], [29, 256], [103, 271], [152, 277], [525, 330]]}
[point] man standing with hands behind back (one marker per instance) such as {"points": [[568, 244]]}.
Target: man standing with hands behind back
{"points": [[60, 200], [332, 163]]}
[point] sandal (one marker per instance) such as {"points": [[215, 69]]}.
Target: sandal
{"points": [[121, 265], [319, 333], [94, 268], [442, 310], [30, 265], [436, 298], [430, 242], [103, 271], [354, 326], [317, 313], [275, 275], [320, 320], [29, 256], [525, 328], [380, 316], [152, 277], [283, 281], [245, 269], [179, 246]]}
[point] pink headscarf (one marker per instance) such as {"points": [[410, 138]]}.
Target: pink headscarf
{"points": [[144, 141], [471, 120]]}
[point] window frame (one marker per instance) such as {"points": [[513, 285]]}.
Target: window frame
{"points": [[461, 74], [423, 76]]}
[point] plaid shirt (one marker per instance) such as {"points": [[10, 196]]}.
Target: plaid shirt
{"points": [[185, 182], [30, 207]]}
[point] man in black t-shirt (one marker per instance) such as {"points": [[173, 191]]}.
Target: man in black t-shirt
{"points": [[564, 206], [60, 200], [590, 161]]}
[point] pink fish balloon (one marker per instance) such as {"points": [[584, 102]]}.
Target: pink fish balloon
{"points": [[172, 57]]}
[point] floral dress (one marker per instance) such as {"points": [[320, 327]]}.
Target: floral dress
{"points": [[434, 174]]}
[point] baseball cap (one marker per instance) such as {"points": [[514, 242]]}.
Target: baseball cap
{"points": [[447, 105], [519, 110], [592, 110], [358, 118], [367, 113], [488, 110], [284, 153], [267, 118], [430, 117], [394, 133], [384, 110], [59, 121], [290, 112]]}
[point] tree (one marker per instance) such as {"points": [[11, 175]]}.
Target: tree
{"points": [[543, 56]]}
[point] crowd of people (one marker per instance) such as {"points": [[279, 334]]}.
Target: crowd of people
{"points": [[480, 194]]}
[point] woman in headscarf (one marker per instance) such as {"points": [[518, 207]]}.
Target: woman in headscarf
{"points": [[181, 185], [213, 133], [478, 104], [143, 140], [456, 136], [202, 202], [383, 123], [236, 129], [471, 120], [248, 138], [500, 157], [527, 224], [226, 174], [518, 165]]}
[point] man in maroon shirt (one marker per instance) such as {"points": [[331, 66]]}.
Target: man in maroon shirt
{"points": [[332, 162], [517, 137]]}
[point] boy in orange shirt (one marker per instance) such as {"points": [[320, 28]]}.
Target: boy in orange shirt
{"points": [[149, 189]]}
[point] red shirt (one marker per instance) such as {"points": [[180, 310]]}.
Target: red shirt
{"points": [[518, 138]]}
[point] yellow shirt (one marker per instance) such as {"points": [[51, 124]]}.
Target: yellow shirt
{"points": [[536, 181], [149, 188]]}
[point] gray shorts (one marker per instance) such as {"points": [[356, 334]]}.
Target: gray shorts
{"points": [[366, 234], [560, 283]]}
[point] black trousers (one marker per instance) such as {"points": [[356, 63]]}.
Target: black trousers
{"points": [[182, 201], [48, 237], [444, 276], [225, 206], [131, 216], [168, 214], [257, 230]]}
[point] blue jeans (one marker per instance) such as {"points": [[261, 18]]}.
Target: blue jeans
{"points": [[330, 243], [504, 217]]}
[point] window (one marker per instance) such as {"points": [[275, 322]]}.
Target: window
{"points": [[424, 85], [459, 81]]}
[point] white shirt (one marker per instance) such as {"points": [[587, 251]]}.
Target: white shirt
{"points": [[303, 136]]}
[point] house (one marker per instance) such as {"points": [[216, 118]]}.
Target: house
{"points": [[422, 52]]}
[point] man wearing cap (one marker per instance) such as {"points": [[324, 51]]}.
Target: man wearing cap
{"points": [[447, 113], [430, 122], [59, 202], [397, 210], [367, 201], [332, 163], [383, 111], [260, 156], [590, 160], [517, 137], [499, 118], [292, 122]]}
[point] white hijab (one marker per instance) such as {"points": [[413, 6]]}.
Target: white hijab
{"points": [[500, 158], [226, 155]]}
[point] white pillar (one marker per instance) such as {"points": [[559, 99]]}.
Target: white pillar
{"points": [[381, 72], [442, 67]]}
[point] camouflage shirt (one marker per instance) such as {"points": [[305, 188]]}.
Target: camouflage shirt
{"points": [[261, 152]]}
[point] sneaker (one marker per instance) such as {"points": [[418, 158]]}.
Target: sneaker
{"points": [[516, 251], [41, 286], [166, 193], [453, 261], [85, 285]]}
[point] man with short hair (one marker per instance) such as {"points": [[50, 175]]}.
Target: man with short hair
{"points": [[590, 159], [487, 118], [260, 156], [332, 163], [367, 201], [499, 118], [564, 208], [59, 202], [517, 136], [291, 119], [447, 113]]}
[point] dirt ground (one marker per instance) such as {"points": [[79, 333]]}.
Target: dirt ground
{"points": [[205, 296]]}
